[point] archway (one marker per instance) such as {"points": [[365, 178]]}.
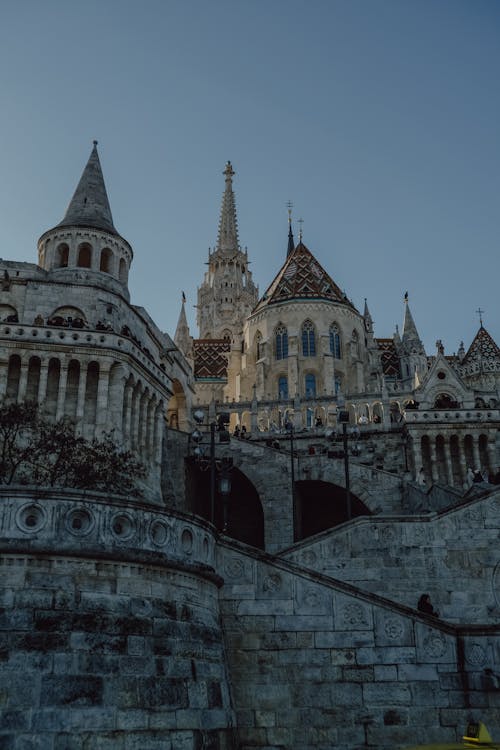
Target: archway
{"points": [[176, 410], [245, 517], [322, 505]]}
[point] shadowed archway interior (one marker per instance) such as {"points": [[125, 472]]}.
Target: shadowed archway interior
{"points": [[322, 505]]}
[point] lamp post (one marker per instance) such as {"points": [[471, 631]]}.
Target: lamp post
{"points": [[218, 469], [289, 429], [343, 419]]}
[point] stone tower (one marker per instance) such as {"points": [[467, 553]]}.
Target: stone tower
{"points": [[227, 295], [413, 359]]}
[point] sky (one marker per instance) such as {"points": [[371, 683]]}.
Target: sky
{"points": [[378, 119]]}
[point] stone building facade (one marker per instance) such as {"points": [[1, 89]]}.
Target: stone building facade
{"points": [[278, 620]]}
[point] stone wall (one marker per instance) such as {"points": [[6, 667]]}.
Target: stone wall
{"points": [[109, 628], [317, 664], [452, 555]]}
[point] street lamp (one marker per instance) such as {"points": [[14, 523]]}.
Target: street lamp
{"points": [[289, 429], [343, 419], [221, 467]]}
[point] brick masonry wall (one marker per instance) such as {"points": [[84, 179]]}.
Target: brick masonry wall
{"points": [[318, 664], [452, 555], [112, 648]]}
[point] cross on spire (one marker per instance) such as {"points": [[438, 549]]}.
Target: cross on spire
{"points": [[300, 221], [480, 313]]}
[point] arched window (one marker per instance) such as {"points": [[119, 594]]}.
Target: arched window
{"points": [[355, 345], [84, 255], [310, 385], [335, 346], [258, 345], [282, 387], [62, 255], [281, 337], [122, 272], [308, 340], [106, 256], [338, 384]]}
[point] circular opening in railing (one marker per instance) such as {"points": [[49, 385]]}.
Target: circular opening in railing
{"points": [[79, 522], [31, 518], [187, 541], [159, 532], [441, 375], [122, 526]]}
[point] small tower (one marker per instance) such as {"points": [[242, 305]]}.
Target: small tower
{"points": [[86, 239], [412, 356], [182, 337], [227, 294]]}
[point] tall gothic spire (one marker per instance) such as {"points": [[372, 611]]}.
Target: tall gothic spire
{"points": [[291, 243], [410, 334], [182, 338], [228, 224], [89, 206]]}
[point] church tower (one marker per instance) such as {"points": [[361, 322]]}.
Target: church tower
{"points": [[413, 359], [227, 295]]}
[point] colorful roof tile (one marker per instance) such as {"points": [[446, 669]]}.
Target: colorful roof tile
{"points": [[389, 358], [302, 277], [483, 347], [210, 358]]}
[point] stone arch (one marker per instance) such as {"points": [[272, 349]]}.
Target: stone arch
{"points": [[90, 403], [84, 255], [378, 412], [13, 377], [177, 418], [322, 505], [67, 315], [8, 314], [72, 385], [243, 509], [106, 260], [33, 382], [395, 411], [444, 400], [62, 255], [122, 271], [53, 377]]}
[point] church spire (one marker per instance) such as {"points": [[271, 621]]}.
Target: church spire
{"points": [[291, 243], [89, 206], [182, 338], [410, 336], [228, 224]]}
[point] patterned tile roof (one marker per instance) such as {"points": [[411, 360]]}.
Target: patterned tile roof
{"points": [[210, 358], [483, 347], [389, 358], [302, 277]]}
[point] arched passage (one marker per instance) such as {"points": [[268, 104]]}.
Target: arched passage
{"points": [[245, 517], [321, 505], [176, 410]]}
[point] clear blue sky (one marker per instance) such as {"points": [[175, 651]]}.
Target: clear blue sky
{"points": [[378, 119]]}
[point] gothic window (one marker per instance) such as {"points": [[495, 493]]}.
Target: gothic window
{"points": [[282, 387], [123, 271], [281, 339], [338, 384], [355, 345], [258, 345], [105, 264], [335, 346], [310, 385], [308, 340]]}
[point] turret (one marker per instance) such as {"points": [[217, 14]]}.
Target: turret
{"points": [[182, 337], [86, 238], [413, 359]]}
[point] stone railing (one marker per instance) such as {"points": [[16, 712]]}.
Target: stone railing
{"points": [[451, 416], [98, 340], [97, 526]]}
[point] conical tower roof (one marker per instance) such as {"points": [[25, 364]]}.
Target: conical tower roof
{"points": [[302, 277], [410, 338], [182, 338], [89, 206], [228, 224], [483, 348]]}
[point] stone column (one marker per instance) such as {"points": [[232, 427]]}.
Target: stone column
{"points": [[158, 434], [143, 422], [4, 371], [417, 453], [82, 388], [432, 451], [447, 461], [42, 383], [61, 394], [23, 382], [102, 399], [127, 413], [134, 422], [475, 452], [72, 259]]}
